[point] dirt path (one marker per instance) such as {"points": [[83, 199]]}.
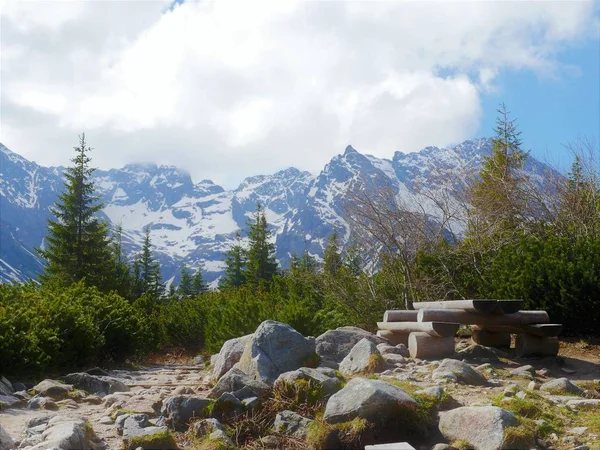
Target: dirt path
{"points": [[148, 387]]}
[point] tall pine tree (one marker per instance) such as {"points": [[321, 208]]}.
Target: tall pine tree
{"points": [[147, 271], [77, 244], [498, 197], [235, 261], [261, 265]]}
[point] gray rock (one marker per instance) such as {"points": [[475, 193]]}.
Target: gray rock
{"points": [[39, 402], [177, 411], [106, 420], [95, 384], [6, 441], [128, 424], [436, 392], [533, 386], [234, 380], [97, 371], [462, 372], [363, 357], [10, 401], [53, 389], [589, 402], [334, 345], [183, 390], [220, 436], [231, 352], [524, 371], [42, 419], [392, 359], [291, 424], [23, 395], [198, 360], [213, 359], [68, 433], [227, 406], [6, 387], [561, 385], [476, 351], [275, 348], [441, 447], [483, 427], [329, 385], [374, 400], [271, 441], [205, 427], [328, 371]]}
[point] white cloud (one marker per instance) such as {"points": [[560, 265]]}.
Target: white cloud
{"points": [[227, 89]]}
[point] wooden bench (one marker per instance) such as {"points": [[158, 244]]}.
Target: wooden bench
{"points": [[429, 330]]}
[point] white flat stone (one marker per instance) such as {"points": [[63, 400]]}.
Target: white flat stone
{"points": [[395, 446]]}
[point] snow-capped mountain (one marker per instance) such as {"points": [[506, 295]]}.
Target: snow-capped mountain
{"points": [[195, 223]]}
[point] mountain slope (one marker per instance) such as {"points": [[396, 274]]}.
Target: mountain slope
{"points": [[195, 223]]}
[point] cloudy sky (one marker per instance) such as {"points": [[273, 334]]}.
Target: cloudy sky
{"points": [[229, 89]]}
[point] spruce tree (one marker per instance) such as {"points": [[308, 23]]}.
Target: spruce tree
{"points": [[123, 280], [198, 284], [498, 196], [332, 260], [184, 289], [235, 260], [147, 269], [261, 265], [77, 244]]}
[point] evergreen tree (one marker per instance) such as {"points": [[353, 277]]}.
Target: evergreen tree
{"points": [[147, 269], [498, 197], [332, 259], [77, 244], [184, 289], [123, 281], [354, 261], [261, 264], [198, 284], [235, 260]]}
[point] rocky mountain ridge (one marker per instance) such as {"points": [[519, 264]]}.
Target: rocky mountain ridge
{"points": [[195, 223]]}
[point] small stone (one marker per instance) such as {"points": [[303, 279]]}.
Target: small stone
{"points": [[561, 385], [510, 390], [533, 386], [106, 420], [521, 395], [578, 430]]}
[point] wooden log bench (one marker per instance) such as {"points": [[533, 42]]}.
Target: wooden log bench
{"points": [[429, 330]]}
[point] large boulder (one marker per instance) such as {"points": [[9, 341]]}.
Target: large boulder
{"points": [[178, 410], [6, 442], [364, 357], [483, 427], [329, 385], [276, 348], [291, 424], [334, 345], [6, 387], [561, 386], [234, 380], [8, 401], [231, 352], [453, 370], [53, 389], [374, 400], [95, 384], [64, 432], [137, 431]]}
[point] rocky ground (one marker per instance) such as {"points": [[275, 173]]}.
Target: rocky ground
{"points": [[344, 389]]}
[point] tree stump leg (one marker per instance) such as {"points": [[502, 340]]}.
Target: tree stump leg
{"points": [[491, 339], [529, 345], [421, 345], [394, 338]]}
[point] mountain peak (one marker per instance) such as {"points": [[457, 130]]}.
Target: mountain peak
{"points": [[349, 150]]}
